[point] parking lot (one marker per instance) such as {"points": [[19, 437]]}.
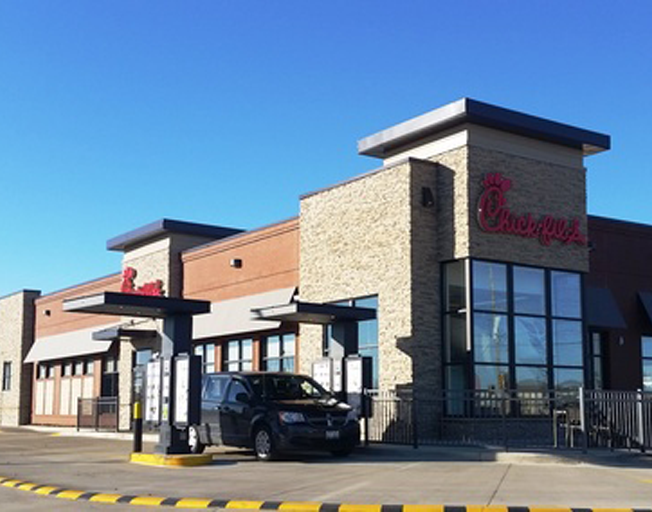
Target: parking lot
{"points": [[379, 474]]}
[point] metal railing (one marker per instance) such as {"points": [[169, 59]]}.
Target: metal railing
{"points": [[101, 413], [511, 418]]}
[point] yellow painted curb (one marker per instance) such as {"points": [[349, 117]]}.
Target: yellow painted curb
{"points": [[160, 459]]}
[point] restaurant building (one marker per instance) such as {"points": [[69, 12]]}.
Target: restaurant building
{"points": [[466, 260]]}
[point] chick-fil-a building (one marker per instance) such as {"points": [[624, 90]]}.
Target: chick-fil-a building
{"points": [[470, 241]]}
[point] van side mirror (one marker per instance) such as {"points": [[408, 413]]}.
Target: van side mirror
{"points": [[242, 398]]}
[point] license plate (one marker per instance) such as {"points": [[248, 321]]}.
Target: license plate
{"points": [[332, 434]]}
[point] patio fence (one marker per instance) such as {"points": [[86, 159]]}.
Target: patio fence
{"points": [[98, 413], [575, 419]]}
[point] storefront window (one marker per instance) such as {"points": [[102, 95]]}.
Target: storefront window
{"points": [[207, 355], [565, 295], [109, 376], [489, 286], [529, 291], [567, 342], [278, 352], [239, 355], [490, 343], [519, 341], [6, 376], [530, 340]]}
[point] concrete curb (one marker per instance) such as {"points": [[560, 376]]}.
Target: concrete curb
{"points": [[285, 506]]}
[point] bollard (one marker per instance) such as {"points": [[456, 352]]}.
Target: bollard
{"points": [[138, 428]]}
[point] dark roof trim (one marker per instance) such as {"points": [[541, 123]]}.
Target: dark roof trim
{"points": [[113, 333], [125, 304], [466, 110], [312, 313], [168, 226]]}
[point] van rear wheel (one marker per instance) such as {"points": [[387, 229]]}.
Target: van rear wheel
{"points": [[264, 446]]}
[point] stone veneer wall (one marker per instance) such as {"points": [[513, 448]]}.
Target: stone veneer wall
{"points": [[16, 338], [373, 236], [538, 187]]}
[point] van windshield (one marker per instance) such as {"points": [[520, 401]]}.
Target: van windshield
{"points": [[288, 387]]}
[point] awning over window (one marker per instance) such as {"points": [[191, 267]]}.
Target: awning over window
{"points": [[646, 300], [69, 344], [234, 316], [311, 313], [602, 309]]}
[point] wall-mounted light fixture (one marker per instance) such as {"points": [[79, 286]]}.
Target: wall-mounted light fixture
{"points": [[236, 263], [47, 312], [427, 197]]}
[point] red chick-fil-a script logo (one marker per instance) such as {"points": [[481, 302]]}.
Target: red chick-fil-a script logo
{"points": [[495, 217], [153, 288]]}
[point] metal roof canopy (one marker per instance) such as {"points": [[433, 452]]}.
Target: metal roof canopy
{"points": [[311, 313], [467, 110], [126, 304], [113, 333]]}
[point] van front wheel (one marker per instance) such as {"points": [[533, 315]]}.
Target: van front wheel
{"points": [[264, 447]]}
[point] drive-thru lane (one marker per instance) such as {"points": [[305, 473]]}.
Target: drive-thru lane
{"points": [[376, 475]]}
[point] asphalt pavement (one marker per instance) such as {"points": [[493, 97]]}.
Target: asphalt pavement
{"points": [[379, 474]]}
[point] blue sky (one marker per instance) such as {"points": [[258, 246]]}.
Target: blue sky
{"points": [[115, 114]]}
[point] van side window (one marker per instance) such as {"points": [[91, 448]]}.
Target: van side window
{"points": [[236, 388], [215, 386]]}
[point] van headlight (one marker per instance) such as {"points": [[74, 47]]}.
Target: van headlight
{"points": [[291, 417], [352, 415]]}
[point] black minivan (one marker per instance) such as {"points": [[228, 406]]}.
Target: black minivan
{"points": [[271, 413]]}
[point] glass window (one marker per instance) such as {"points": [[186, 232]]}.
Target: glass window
{"points": [[646, 346], [489, 286], [454, 287], [6, 376], [567, 342], [530, 340], [235, 389], [529, 291], [89, 367], [567, 379], [565, 294], [532, 378], [67, 369], [79, 368], [491, 377], [278, 352], [239, 355], [143, 356], [490, 343], [646, 351], [207, 355], [214, 387], [455, 337]]}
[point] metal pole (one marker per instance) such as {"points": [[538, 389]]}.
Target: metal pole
{"points": [[78, 411], [415, 425], [639, 418], [96, 410], [583, 422], [138, 428], [366, 398]]}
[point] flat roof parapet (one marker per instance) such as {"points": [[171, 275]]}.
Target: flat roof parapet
{"points": [[466, 110], [166, 227]]}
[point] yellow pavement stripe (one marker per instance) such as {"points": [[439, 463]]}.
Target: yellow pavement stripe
{"points": [[147, 500], [300, 506], [47, 490], [12, 483], [70, 494], [244, 504], [491, 508], [350, 507], [27, 486], [423, 508], [106, 498], [193, 503], [550, 509]]}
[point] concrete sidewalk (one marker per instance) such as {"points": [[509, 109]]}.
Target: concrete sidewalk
{"points": [[380, 474]]}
